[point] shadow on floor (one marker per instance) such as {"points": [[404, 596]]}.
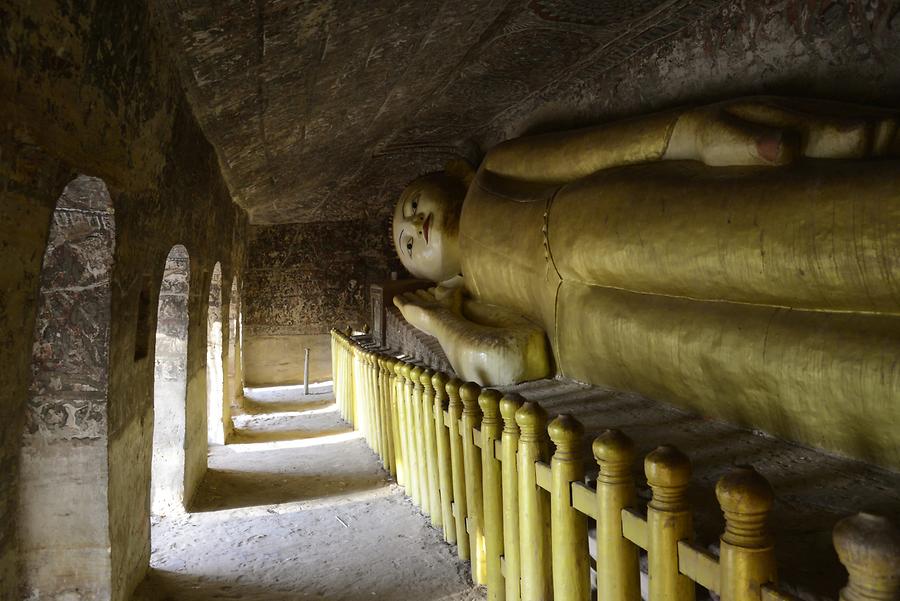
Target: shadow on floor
{"points": [[242, 436], [162, 585], [253, 406], [254, 478]]}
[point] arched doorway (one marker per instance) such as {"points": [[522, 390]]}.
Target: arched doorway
{"points": [[235, 379], [215, 395], [63, 514], [170, 384]]}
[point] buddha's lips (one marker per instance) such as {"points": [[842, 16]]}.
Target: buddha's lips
{"points": [[425, 227]]}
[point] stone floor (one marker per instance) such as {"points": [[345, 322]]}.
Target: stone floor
{"points": [[298, 509]]}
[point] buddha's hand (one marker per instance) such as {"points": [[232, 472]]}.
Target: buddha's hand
{"points": [[429, 310], [775, 131]]}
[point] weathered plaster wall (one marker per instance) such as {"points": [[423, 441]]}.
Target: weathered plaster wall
{"points": [[64, 446], [88, 88], [192, 207], [170, 383], [300, 281], [834, 49]]}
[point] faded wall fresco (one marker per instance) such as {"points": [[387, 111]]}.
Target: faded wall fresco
{"points": [[303, 278], [70, 356], [64, 448], [299, 281]]}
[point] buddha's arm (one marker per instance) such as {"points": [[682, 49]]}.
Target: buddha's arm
{"points": [[754, 131], [484, 343]]}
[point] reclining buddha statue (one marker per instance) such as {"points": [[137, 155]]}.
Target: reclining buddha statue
{"points": [[740, 259]]}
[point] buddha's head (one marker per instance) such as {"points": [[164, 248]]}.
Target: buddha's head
{"points": [[426, 226]]}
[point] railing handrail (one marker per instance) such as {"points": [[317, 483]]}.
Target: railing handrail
{"points": [[465, 461]]}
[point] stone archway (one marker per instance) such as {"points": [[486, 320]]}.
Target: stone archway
{"points": [[64, 458], [170, 384], [235, 378], [215, 394]]}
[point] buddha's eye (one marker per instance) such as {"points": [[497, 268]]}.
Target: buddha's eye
{"points": [[409, 246], [415, 205]]}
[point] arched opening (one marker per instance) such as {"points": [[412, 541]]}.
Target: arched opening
{"points": [[215, 395], [64, 546], [235, 379], [170, 384]]}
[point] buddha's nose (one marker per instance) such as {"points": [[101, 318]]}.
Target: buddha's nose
{"points": [[418, 219]]}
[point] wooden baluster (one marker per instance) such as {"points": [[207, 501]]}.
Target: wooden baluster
{"points": [[434, 483], [669, 520], [746, 551], [348, 381], [362, 394], [371, 405], [445, 468], [382, 414], [384, 410], [457, 462], [568, 526], [389, 415], [509, 404], [869, 547], [471, 420], [334, 383], [534, 505], [351, 385], [343, 378], [491, 478], [387, 365], [412, 454], [366, 396], [400, 425], [618, 571], [340, 380], [335, 372], [375, 400], [357, 389], [415, 375]]}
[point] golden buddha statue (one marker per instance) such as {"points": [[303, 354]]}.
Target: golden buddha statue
{"points": [[741, 259]]}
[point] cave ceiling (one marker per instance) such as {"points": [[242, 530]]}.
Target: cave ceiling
{"points": [[316, 108]]}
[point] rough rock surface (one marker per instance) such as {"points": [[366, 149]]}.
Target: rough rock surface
{"points": [[322, 109]]}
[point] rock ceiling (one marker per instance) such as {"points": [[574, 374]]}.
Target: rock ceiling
{"points": [[316, 107]]}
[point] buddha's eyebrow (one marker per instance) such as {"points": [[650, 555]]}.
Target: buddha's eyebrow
{"points": [[399, 244]]}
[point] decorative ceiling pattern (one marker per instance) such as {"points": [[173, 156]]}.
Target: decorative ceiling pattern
{"points": [[314, 107]]}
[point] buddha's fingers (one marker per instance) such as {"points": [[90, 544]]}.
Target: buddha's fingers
{"points": [[425, 295], [404, 299], [727, 140], [849, 134]]}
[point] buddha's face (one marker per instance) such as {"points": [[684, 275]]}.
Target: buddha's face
{"points": [[426, 227]]}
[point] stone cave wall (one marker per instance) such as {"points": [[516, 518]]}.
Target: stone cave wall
{"points": [[300, 281], [64, 446], [90, 89], [701, 51]]}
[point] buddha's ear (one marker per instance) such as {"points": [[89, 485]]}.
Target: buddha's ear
{"points": [[461, 170]]}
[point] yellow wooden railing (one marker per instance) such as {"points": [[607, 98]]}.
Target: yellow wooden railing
{"points": [[478, 464]]}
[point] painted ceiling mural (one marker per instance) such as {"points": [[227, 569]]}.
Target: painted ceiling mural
{"points": [[319, 110]]}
